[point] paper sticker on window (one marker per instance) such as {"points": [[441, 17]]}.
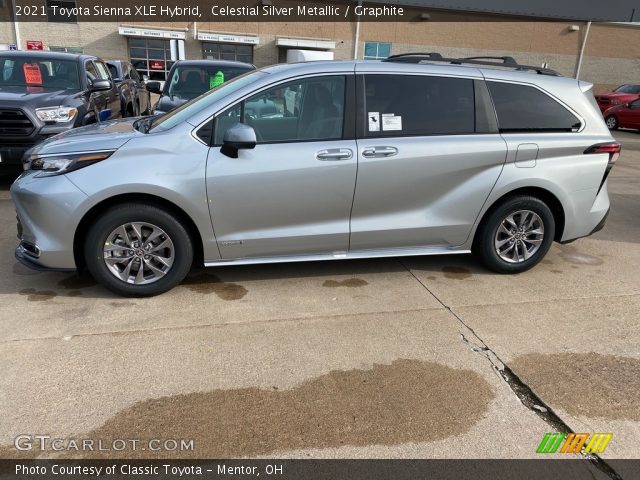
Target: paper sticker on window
{"points": [[374, 121], [391, 122], [32, 74], [216, 80]]}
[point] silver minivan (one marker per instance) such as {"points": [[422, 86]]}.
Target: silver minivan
{"points": [[414, 155]]}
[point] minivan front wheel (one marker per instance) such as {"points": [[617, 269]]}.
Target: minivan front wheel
{"points": [[612, 122], [138, 250], [516, 235]]}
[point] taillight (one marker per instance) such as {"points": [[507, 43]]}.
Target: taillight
{"points": [[613, 149]]}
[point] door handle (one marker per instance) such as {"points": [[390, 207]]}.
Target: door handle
{"points": [[334, 154], [379, 152]]}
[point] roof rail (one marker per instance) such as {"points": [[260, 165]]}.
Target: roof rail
{"points": [[500, 62]]}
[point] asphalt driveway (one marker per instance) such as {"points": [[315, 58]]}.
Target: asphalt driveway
{"points": [[412, 357]]}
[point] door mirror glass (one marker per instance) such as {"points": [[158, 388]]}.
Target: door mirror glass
{"points": [[154, 87], [238, 137]]}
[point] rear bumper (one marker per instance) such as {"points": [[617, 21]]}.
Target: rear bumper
{"points": [[596, 229]]}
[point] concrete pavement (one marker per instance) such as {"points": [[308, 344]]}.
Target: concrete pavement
{"points": [[373, 358]]}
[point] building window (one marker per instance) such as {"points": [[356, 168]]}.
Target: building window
{"points": [[76, 50], [376, 50], [227, 51], [54, 15], [151, 57]]}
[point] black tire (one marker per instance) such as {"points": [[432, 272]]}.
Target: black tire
{"points": [[138, 212], [485, 239], [612, 122]]}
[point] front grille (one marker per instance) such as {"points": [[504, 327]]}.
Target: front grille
{"points": [[15, 122]]}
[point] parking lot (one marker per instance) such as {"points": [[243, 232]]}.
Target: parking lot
{"points": [[412, 357]]}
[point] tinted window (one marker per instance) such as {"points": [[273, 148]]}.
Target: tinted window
{"points": [[521, 108], [628, 89], [190, 81], [308, 109], [398, 105], [113, 70]]}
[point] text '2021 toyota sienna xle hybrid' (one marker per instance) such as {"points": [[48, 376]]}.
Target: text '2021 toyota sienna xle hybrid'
{"points": [[324, 160]]}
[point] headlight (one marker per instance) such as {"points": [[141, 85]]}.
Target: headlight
{"points": [[59, 164], [56, 114]]}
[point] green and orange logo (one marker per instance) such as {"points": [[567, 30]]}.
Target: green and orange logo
{"points": [[574, 442]]}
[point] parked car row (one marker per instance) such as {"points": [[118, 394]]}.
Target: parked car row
{"points": [[46, 93], [621, 107]]}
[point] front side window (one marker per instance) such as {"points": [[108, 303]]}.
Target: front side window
{"points": [[415, 105], [302, 110], [522, 108], [376, 50], [103, 71]]}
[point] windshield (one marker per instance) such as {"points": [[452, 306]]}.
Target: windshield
{"points": [[18, 71], [192, 107], [628, 89], [190, 81]]}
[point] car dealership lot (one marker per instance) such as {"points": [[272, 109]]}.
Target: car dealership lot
{"points": [[391, 357]]}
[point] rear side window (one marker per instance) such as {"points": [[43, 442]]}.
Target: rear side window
{"points": [[522, 108], [403, 105]]}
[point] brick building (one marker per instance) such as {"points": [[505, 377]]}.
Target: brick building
{"points": [[611, 53]]}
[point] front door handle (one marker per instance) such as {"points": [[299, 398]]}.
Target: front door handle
{"points": [[379, 152], [333, 154]]}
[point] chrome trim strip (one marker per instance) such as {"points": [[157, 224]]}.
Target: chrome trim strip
{"points": [[360, 254]]}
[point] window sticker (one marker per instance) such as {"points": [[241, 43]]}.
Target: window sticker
{"points": [[391, 122], [374, 121], [32, 74], [216, 80]]}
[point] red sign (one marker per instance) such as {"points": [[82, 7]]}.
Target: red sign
{"points": [[32, 73], [155, 65], [35, 45]]}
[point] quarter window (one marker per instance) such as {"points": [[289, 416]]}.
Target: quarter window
{"points": [[401, 105], [522, 108], [303, 110]]}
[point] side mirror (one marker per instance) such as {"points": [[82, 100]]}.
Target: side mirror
{"points": [[154, 87], [238, 137], [99, 85]]}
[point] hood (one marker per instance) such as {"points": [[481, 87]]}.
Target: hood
{"points": [[100, 136], [167, 103], [35, 97]]}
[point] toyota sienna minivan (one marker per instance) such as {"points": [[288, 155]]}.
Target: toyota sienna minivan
{"points": [[414, 155]]}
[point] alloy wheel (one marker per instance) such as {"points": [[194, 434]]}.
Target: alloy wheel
{"points": [[519, 236], [138, 253]]}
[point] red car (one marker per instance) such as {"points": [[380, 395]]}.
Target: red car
{"points": [[621, 95], [623, 116]]}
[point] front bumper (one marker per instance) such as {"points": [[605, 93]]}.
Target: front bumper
{"points": [[48, 211]]}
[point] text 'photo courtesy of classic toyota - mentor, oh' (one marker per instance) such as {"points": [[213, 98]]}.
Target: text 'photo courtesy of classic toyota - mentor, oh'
{"points": [[449, 159]]}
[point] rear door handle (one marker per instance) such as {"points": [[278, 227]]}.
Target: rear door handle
{"points": [[333, 154], [379, 152]]}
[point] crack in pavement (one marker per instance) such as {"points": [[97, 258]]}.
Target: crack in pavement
{"points": [[525, 394]]}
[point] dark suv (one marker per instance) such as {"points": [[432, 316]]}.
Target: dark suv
{"points": [[134, 96], [46, 93]]}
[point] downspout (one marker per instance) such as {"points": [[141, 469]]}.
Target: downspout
{"points": [[195, 30], [582, 49], [16, 28], [356, 40]]}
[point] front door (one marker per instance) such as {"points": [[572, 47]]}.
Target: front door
{"points": [[293, 193]]}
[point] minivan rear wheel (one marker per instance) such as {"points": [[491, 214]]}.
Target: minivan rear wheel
{"points": [[516, 235], [137, 249]]}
